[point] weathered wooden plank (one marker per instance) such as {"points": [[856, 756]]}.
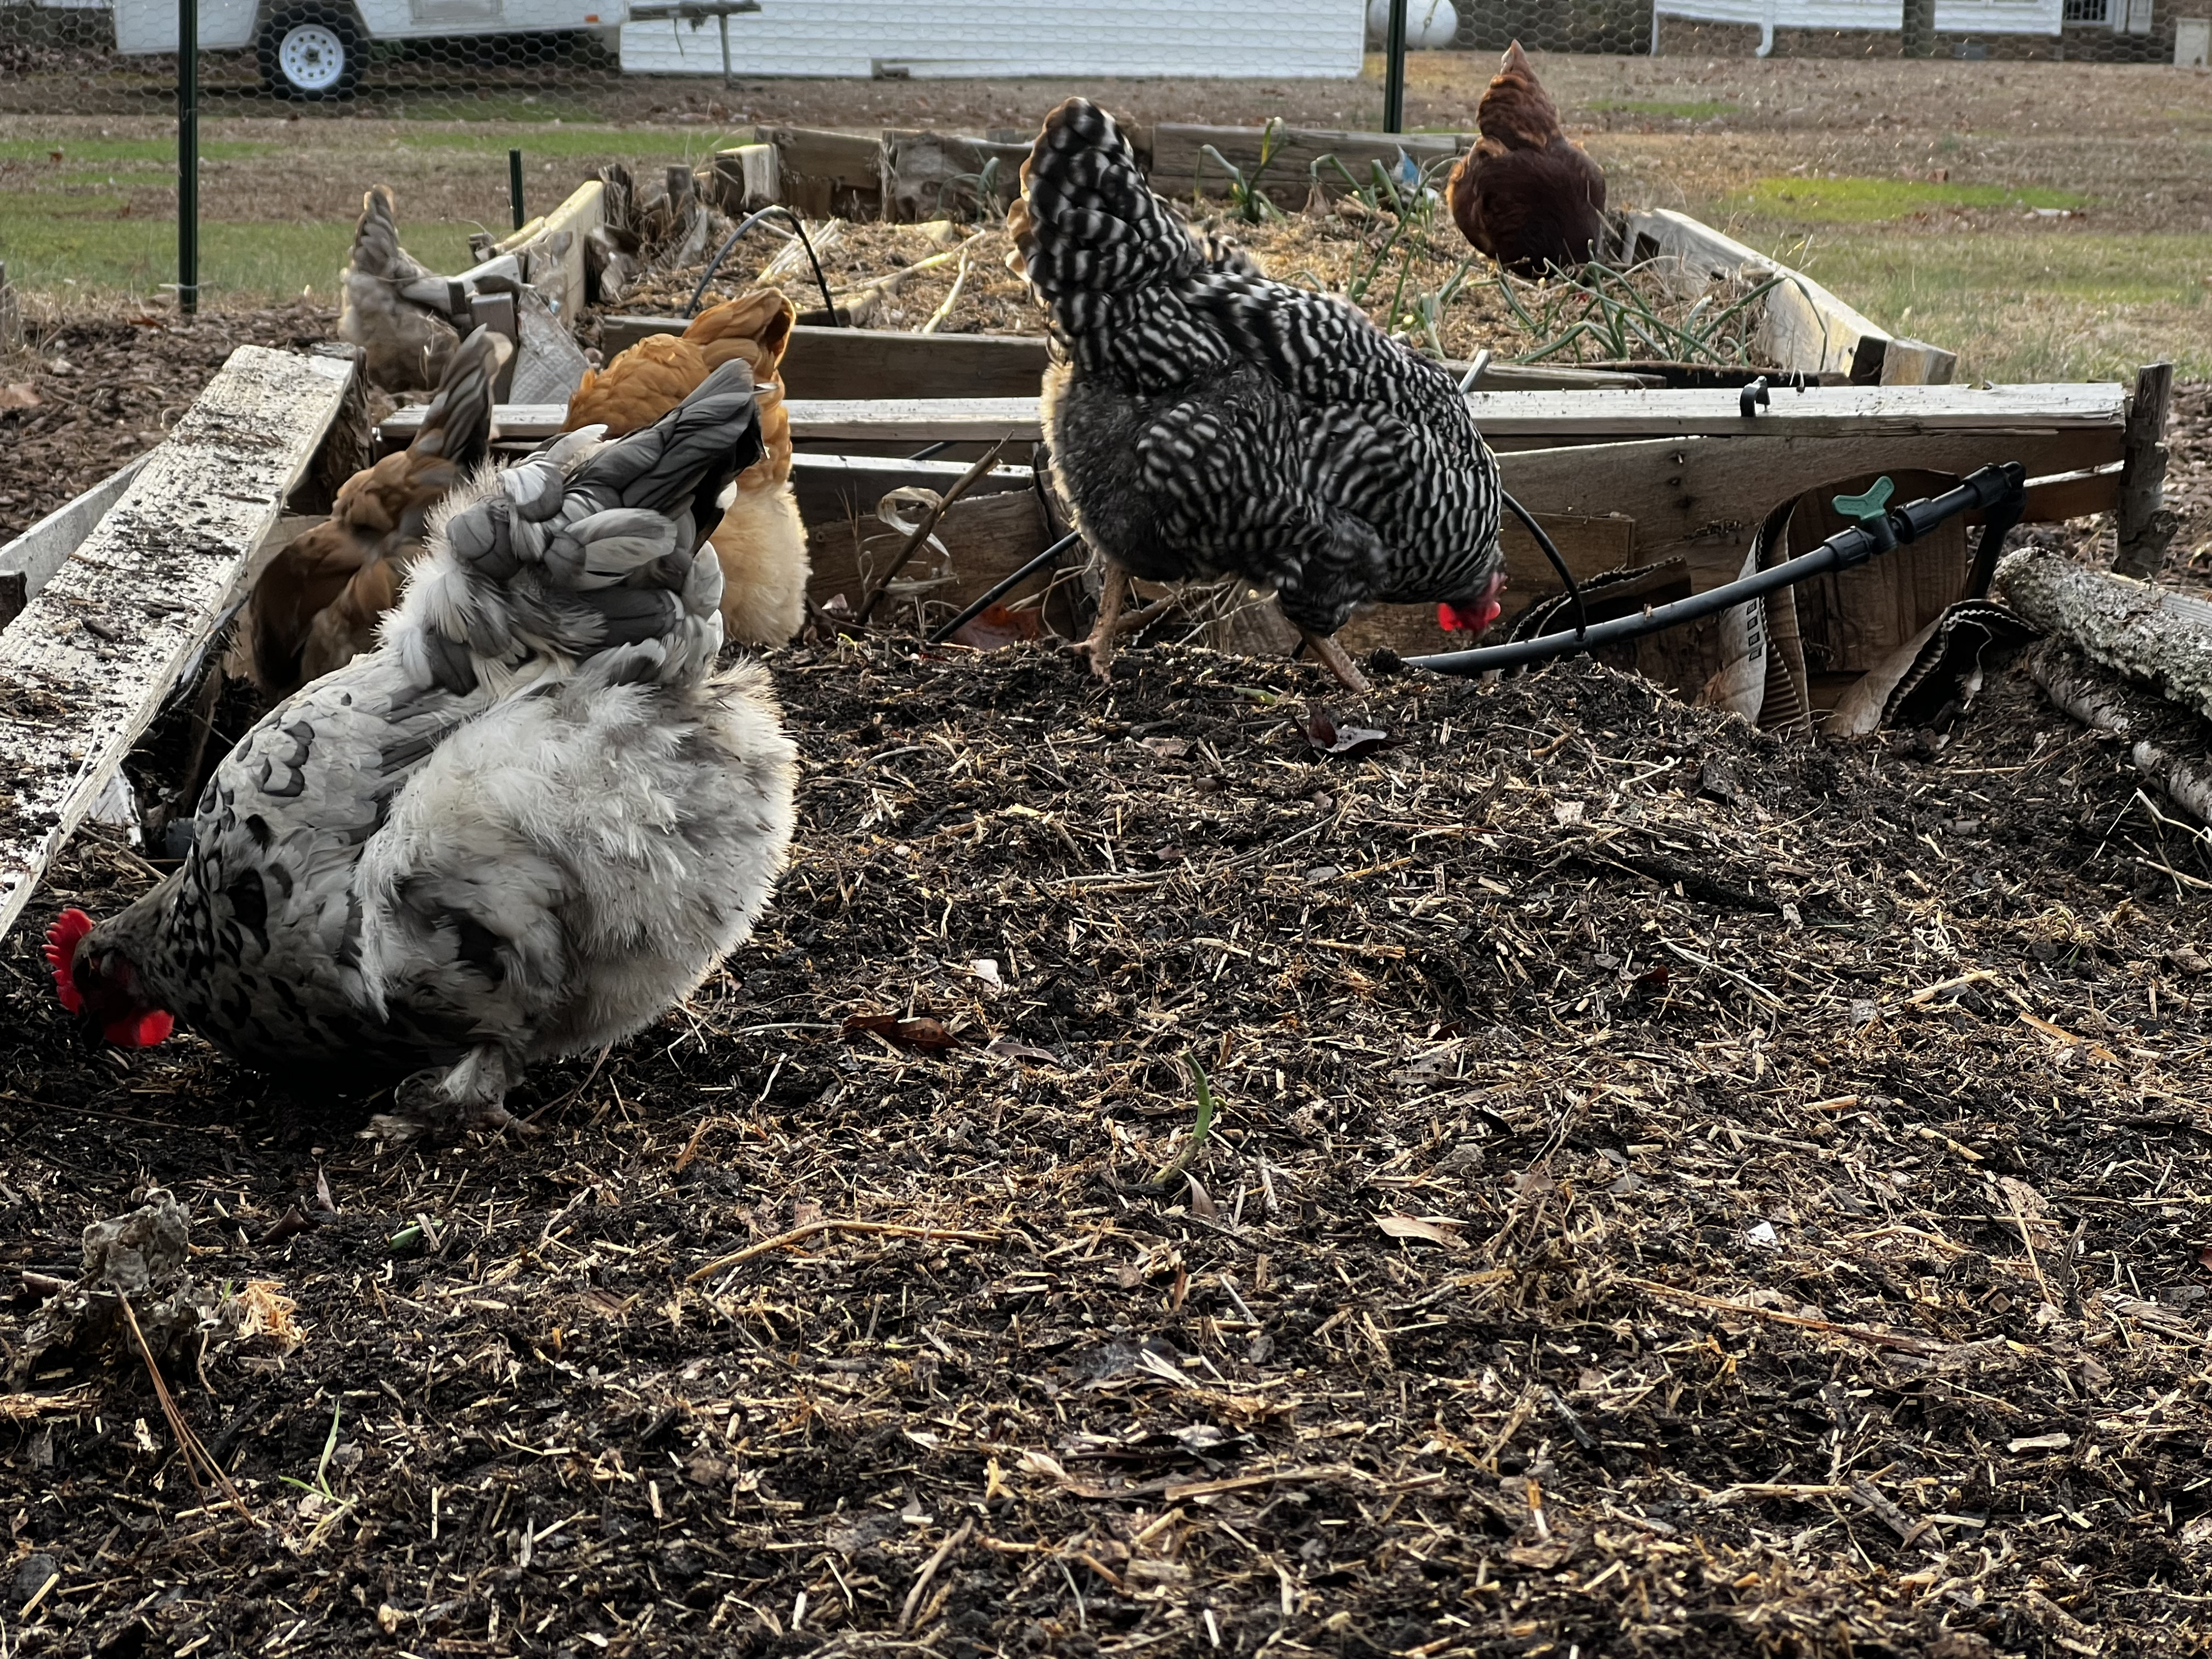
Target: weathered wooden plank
{"points": [[552, 248], [85, 667], [28, 562], [881, 362], [745, 178], [1180, 164], [1703, 498], [934, 175], [1802, 326], [824, 173], [2146, 527], [838, 488], [1838, 409], [869, 362]]}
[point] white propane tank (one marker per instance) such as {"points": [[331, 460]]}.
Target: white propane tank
{"points": [[1431, 25]]}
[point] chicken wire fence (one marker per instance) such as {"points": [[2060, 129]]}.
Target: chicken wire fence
{"points": [[537, 59]]}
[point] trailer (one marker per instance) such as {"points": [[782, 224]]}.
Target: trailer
{"points": [[315, 50]]}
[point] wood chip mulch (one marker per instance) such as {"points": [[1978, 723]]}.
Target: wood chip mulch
{"points": [[1671, 1192]]}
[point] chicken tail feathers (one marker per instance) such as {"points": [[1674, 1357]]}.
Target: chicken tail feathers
{"points": [[586, 550], [1107, 255], [457, 428]]}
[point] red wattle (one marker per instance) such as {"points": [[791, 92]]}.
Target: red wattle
{"points": [[143, 1031]]}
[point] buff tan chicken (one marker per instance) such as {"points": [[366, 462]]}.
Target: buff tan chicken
{"points": [[316, 606], [760, 542]]}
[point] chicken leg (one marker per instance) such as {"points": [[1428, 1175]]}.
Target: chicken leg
{"points": [[1113, 590], [1331, 656], [470, 1094]]}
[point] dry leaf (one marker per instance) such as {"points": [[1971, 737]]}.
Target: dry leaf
{"points": [[1200, 1202], [1326, 734], [996, 628], [924, 1033], [18, 394], [1430, 1230], [1007, 1048], [1038, 1462], [1167, 748]]}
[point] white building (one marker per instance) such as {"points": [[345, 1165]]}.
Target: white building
{"points": [[1243, 38], [1984, 17]]}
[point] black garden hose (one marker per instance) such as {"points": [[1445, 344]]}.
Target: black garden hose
{"points": [[829, 305], [1999, 491]]}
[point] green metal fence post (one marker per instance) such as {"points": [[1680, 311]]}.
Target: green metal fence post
{"points": [[188, 156], [1394, 70]]}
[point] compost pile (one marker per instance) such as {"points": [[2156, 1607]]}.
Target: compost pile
{"points": [[1414, 274], [1666, 1191]]}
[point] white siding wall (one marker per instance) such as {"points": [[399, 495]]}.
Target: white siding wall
{"points": [[1230, 38], [1951, 16]]}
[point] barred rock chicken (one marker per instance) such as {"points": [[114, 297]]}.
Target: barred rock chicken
{"points": [[760, 540], [521, 828], [1209, 421], [1527, 195], [316, 606]]}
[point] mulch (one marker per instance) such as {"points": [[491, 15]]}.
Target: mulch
{"points": [[110, 387], [1671, 1191]]}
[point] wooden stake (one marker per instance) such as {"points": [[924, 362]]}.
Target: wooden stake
{"points": [[2146, 525]]}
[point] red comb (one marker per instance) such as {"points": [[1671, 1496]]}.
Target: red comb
{"points": [[62, 940]]}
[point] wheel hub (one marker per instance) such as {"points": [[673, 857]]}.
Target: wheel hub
{"points": [[312, 57]]}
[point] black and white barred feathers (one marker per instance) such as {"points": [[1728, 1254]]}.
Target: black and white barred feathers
{"points": [[1210, 421]]}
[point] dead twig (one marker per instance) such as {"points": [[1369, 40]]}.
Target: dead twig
{"points": [[922, 531], [1858, 1333], [813, 1227], [929, 1572], [188, 1445]]}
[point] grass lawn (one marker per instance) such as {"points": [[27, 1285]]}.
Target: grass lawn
{"points": [[1937, 198]]}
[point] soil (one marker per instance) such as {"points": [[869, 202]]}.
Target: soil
{"points": [[1671, 1192], [108, 388]]}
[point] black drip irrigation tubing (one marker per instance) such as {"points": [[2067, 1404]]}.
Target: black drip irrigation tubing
{"points": [[938, 635], [829, 305], [1999, 491]]}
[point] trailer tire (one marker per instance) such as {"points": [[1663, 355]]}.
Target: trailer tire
{"points": [[312, 54]]}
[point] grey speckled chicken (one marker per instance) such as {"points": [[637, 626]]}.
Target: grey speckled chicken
{"points": [[394, 306], [1209, 421], [523, 827]]}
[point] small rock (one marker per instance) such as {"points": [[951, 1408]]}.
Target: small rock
{"points": [[32, 1574]]}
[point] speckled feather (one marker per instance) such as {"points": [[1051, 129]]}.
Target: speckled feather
{"points": [[1208, 420], [523, 826]]}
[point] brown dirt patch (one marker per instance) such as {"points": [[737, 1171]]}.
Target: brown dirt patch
{"points": [[1815, 1314]]}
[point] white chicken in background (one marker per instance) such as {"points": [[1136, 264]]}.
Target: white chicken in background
{"points": [[522, 827]]}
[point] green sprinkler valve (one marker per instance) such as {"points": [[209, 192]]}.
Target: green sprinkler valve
{"points": [[1872, 512]]}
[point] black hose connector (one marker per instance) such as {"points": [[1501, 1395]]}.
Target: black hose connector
{"points": [[1999, 491]]}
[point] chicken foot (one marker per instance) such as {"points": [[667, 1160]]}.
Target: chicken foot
{"points": [[1331, 656], [470, 1094], [1113, 589]]}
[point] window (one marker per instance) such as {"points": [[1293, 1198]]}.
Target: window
{"points": [[2088, 12]]}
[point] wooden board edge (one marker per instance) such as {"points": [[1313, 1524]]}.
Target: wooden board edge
{"points": [[105, 755]]}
